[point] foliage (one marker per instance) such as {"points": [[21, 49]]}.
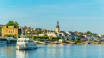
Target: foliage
{"points": [[54, 38], [42, 38], [80, 33], [37, 32], [78, 39], [12, 23], [19, 35], [25, 27], [89, 32], [0, 28], [8, 35], [29, 36], [94, 34]]}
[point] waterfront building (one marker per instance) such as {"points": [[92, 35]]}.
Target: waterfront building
{"points": [[9, 30], [1, 30]]}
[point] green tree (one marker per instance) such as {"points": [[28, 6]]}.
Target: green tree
{"points": [[89, 32], [95, 34], [0, 28], [50, 38], [80, 33], [78, 39], [25, 27], [12, 23], [8, 35], [37, 32]]}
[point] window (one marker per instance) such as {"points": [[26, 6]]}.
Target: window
{"points": [[14, 26], [6, 26]]}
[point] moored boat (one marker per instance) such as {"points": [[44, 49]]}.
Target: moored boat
{"points": [[3, 41], [11, 40]]}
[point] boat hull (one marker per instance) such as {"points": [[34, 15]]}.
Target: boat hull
{"points": [[25, 47]]}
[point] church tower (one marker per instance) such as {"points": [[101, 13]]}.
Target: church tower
{"points": [[57, 27]]}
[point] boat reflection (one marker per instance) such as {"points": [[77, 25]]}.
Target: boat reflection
{"points": [[25, 53], [20, 54]]}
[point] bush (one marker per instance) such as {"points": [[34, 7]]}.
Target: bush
{"points": [[7, 35]]}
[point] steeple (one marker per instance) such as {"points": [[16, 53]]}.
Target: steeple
{"points": [[57, 27]]}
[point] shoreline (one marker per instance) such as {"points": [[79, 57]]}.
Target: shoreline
{"points": [[82, 43]]}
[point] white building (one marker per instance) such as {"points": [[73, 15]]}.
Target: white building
{"points": [[53, 34], [41, 34]]}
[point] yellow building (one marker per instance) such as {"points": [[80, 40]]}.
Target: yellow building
{"points": [[0, 29], [9, 30]]}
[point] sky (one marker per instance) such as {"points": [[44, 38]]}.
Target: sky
{"points": [[73, 15]]}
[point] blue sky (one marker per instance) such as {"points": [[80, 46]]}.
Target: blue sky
{"points": [[74, 15]]}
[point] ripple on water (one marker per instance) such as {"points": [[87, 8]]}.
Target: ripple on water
{"points": [[54, 51]]}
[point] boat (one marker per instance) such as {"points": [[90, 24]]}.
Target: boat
{"points": [[11, 40], [3, 41], [8, 40], [25, 44]]}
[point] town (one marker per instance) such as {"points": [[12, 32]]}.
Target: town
{"points": [[44, 36]]}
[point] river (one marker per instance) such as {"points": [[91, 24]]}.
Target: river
{"points": [[54, 51]]}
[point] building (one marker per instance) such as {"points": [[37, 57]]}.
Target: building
{"points": [[1, 30], [9, 30], [57, 27], [41, 34], [53, 34]]}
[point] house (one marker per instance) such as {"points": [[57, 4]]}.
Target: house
{"points": [[1, 30], [41, 34], [9, 30], [53, 34]]}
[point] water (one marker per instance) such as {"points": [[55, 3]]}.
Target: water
{"points": [[54, 51]]}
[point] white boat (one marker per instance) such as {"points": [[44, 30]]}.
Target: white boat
{"points": [[25, 44]]}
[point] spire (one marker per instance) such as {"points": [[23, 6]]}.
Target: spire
{"points": [[57, 27]]}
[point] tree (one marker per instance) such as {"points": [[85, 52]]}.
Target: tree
{"points": [[95, 34], [80, 33], [78, 39], [50, 38], [37, 32], [12, 23], [0, 28], [9, 35], [25, 27], [89, 32]]}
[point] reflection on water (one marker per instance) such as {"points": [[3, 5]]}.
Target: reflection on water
{"points": [[25, 53], [7, 52], [54, 51], [20, 54]]}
